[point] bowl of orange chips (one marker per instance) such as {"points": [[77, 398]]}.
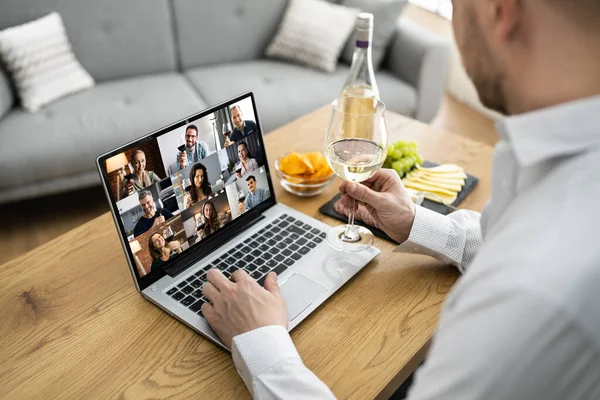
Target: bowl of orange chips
{"points": [[304, 174]]}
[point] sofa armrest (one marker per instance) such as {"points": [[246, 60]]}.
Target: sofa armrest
{"points": [[422, 59], [7, 97]]}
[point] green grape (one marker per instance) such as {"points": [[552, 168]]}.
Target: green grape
{"points": [[413, 145], [390, 150], [398, 167], [397, 154], [419, 160], [407, 163], [400, 144]]}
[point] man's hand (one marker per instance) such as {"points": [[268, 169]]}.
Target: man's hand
{"points": [[182, 159], [382, 202], [242, 306], [158, 221], [242, 207]]}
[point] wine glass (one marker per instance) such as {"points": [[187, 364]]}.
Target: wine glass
{"points": [[355, 142]]}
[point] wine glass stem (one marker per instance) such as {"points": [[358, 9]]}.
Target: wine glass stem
{"points": [[350, 233]]}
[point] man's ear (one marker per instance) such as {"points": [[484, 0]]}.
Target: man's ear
{"points": [[504, 16]]}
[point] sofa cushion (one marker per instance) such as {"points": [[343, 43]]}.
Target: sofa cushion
{"points": [[214, 32], [112, 39], [285, 91], [67, 136]]}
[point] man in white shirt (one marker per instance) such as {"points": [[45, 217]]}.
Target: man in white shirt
{"points": [[524, 320]]}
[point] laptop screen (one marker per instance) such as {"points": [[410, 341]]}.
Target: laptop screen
{"points": [[177, 189]]}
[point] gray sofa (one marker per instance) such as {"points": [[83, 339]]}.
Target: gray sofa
{"points": [[155, 61]]}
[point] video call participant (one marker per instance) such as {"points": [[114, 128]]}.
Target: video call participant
{"points": [[254, 197], [242, 128], [161, 250], [200, 188], [211, 220], [150, 218], [141, 178], [194, 150], [246, 163]]}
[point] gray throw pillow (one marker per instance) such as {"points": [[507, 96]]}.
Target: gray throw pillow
{"points": [[385, 14]]}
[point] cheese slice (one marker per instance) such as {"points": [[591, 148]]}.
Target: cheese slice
{"points": [[441, 199], [445, 168], [428, 188], [451, 175], [439, 179], [442, 185]]}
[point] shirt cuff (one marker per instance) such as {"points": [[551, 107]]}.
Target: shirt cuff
{"points": [[429, 233], [260, 349]]}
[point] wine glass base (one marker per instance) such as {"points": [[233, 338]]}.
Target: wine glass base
{"points": [[360, 239]]}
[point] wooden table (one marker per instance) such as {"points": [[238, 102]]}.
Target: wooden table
{"points": [[73, 326]]}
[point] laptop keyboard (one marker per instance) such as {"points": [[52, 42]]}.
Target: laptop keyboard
{"points": [[276, 247]]}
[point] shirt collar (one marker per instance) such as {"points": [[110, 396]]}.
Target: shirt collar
{"points": [[561, 130]]}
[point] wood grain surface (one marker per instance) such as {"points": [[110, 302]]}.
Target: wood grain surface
{"points": [[73, 326]]}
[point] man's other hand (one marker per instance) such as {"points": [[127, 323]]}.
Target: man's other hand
{"points": [[242, 305], [382, 202]]}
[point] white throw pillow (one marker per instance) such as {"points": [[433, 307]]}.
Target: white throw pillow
{"points": [[39, 57], [313, 32]]}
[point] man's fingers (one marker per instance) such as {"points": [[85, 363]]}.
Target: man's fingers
{"points": [[271, 284], [217, 278], [239, 275], [210, 291]]}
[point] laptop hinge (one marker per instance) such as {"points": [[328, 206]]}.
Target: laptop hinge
{"points": [[221, 240]]}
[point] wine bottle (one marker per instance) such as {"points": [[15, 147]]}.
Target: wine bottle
{"points": [[360, 89]]}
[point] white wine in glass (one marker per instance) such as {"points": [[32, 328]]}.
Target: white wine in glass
{"points": [[355, 143]]}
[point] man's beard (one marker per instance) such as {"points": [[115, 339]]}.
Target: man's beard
{"points": [[485, 72]]}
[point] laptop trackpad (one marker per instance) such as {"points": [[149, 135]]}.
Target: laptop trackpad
{"points": [[300, 292]]}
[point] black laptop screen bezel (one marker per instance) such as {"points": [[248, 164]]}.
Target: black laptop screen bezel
{"points": [[210, 243]]}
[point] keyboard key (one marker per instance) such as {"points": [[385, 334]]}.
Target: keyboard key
{"points": [[312, 245], [271, 263], [322, 235], [256, 274], [288, 240], [317, 240], [289, 262], [267, 256], [227, 274], [238, 254], [298, 223], [271, 242], [278, 238], [283, 224], [248, 258], [245, 249], [181, 284], [296, 256], [268, 226], [261, 281], [251, 267], [172, 291], [281, 245], [303, 250], [301, 241], [256, 253], [223, 266], [188, 300], [280, 269], [282, 216], [297, 230], [275, 229], [200, 313], [264, 269], [262, 231], [197, 283], [232, 269], [197, 293], [294, 247], [309, 235], [290, 219], [263, 247], [259, 261], [230, 260], [315, 231], [294, 236], [240, 264], [279, 258], [196, 306], [261, 239], [190, 279], [187, 289], [286, 252], [253, 244], [178, 296], [269, 234], [284, 233], [307, 227], [274, 250], [204, 279]]}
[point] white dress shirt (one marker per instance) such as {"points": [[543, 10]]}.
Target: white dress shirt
{"points": [[524, 320]]}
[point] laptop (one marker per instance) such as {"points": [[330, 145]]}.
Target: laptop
{"points": [[215, 207]]}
